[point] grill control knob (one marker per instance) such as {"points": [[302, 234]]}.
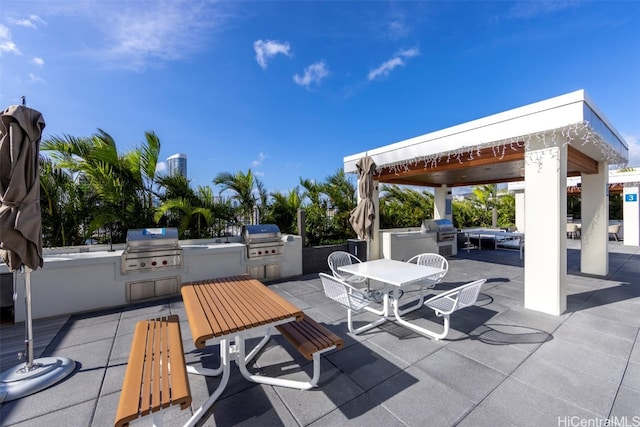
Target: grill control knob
{"points": [[153, 263], [164, 262], [142, 264]]}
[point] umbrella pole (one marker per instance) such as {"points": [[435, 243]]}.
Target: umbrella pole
{"points": [[28, 323], [33, 375]]}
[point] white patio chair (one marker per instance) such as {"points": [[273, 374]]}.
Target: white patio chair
{"points": [[353, 299], [614, 229], [339, 259], [446, 303], [573, 230], [431, 260]]}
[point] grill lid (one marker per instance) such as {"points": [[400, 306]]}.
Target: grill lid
{"points": [[439, 225], [146, 238], [260, 233]]}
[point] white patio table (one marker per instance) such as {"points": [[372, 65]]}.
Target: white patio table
{"points": [[394, 275]]}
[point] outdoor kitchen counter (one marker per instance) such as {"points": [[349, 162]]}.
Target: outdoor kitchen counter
{"points": [[89, 278]]}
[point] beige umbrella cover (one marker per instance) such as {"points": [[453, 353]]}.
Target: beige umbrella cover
{"points": [[361, 218], [20, 217]]}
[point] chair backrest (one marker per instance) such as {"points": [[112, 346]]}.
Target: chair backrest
{"points": [[469, 293], [343, 293], [432, 260], [614, 228], [572, 228], [457, 298], [339, 259]]}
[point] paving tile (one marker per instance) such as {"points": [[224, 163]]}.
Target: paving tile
{"points": [[462, 374], [575, 386], [414, 347], [367, 364], [438, 404], [594, 340], [626, 405], [609, 367], [76, 415], [491, 345], [361, 411], [601, 325], [257, 406], [525, 405], [334, 390], [480, 417], [631, 378]]}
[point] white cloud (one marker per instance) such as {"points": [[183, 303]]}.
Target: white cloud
{"points": [[5, 33], [397, 29], [139, 37], [259, 160], [29, 22], [314, 73], [38, 61], [9, 46], [6, 44], [388, 66], [266, 49], [35, 79]]}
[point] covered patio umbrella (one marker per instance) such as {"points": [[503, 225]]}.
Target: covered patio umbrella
{"points": [[21, 239], [361, 218]]}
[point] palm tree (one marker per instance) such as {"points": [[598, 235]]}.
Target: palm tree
{"points": [[123, 184], [243, 188], [404, 207], [193, 212], [283, 211], [486, 196], [341, 192], [63, 204], [316, 211]]}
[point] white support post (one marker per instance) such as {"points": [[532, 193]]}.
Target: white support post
{"points": [[594, 234], [631, 214], [545, 219], [519, 196], [442, 208]]}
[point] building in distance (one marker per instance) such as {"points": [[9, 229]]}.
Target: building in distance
{"points": [[177, 164]]}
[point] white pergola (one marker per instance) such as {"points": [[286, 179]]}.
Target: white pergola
{"points": [[541, 143]]}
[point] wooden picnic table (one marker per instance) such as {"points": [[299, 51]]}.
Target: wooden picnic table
{"points": [[227, 311]]}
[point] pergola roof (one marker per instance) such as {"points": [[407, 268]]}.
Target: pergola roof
{"points": [[491, 149]]}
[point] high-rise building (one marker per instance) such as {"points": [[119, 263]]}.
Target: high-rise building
{"points": [[177, 164]]}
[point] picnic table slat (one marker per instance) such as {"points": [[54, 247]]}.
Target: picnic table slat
{"points": [[226, 305]]}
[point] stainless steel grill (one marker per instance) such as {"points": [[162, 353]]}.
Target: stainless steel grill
{"points": [[262, 240], [151, 249], [445, 229]]}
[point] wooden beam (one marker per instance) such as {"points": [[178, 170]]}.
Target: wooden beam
{"points": [[470, 159], [580, 162]]}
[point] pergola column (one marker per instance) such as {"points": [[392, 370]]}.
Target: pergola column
{"points": [[631, 214], [442, 203], [594, 234], [519, 201], [545, 205]]}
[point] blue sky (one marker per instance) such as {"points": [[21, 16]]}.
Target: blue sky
{"points": [[289, 89]]}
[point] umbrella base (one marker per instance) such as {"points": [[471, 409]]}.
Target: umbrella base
{"points": [[18, 382]]}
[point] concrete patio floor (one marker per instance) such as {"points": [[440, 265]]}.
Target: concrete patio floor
{"points": [[501, 364]]}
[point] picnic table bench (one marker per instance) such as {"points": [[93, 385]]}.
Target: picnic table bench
{"points": [[231, 310], [156, 376]]}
